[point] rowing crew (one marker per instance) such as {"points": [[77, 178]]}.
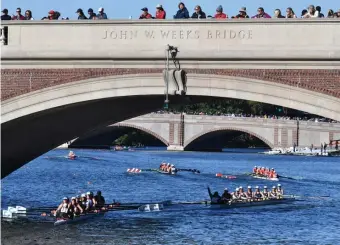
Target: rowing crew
{"points": [[167, 167], [265, 172], [240, 195], [80, 205]]}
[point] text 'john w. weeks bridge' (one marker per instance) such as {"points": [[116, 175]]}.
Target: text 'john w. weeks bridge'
{"points": [[61, 79]]}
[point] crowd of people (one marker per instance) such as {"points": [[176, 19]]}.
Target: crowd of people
{"points": [[167, 167], [266, 172], [250, 195], [83, 204], [182, 13]]}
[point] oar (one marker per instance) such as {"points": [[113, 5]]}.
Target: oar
{"points": [[285, 177], [191, 202], [189, 170], [312, 197]]}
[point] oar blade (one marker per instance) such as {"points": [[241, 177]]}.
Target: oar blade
{"points": [[151, 207]]}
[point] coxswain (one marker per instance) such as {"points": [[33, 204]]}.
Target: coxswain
{"points": [[75, 207], [265, 193], [89, 201], [63, 210], [215, 198], [279, 191], [255, 170], [100, 200], [249, 193], [71, 155], [273, 193], [226, 196], [257, 194]]}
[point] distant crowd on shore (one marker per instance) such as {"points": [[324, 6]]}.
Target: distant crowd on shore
{"points": [[182, 13], [312, 119]]}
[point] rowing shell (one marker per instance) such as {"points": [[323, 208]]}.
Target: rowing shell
{"points": [[164, 172], [77, 218], [264, 177], [252, 204]]}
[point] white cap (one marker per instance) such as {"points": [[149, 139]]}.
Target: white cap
{"points": [[274, 187], [264, 187], [73, 198], [237, 189], [279, 185], [159, 6], [65, 198], [249, 187], [225, 189], [88, 193], [100, 9], [172, 165], [256, 187], [83, 195], [241, 187], [255, 167]]}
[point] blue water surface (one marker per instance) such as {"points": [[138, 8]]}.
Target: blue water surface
{"points": [[44, 181]]}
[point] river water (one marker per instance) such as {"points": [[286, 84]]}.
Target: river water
{"points": [[44, 181]]}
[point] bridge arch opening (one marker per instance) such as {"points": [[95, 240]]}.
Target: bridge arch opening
{"points": [[122, 134], [227, 137]]}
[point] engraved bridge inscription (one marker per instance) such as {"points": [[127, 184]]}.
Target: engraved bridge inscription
{"points": [[178, 34]]}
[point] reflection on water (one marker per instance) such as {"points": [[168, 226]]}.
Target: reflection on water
{"points": [[47, 179]]}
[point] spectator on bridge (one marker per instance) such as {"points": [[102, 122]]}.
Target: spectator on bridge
{"points": [[101, 15], [303, 13], [160, 12], [64, 18], [145, 14], [312, 12], [19, 16], [290, 13], [92, 15], [277, 14], [330, 14], [5, 15], [242, 14], [28, 15], [81, 15], [219, 13], [337, 14], [198, 14], [182, 12], [321, 15], [261, 14]]}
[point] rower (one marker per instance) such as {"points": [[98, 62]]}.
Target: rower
{"points": [[254, 170], [236, 194], [257, 194], [89, 201], [226, 196], [274, 173], [258, 170], [173, 168], [267, 172], [63, 210], [215, 198], [279, 191], [249, 193], [265, 193], [83, 200], [71, 155], [100, 200], [273, 193], [75, 207], [243, 195]]}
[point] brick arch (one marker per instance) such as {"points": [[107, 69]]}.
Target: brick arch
{"points": [[157, 136], [192, 139]]}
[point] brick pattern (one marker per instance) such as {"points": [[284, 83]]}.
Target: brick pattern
{"points": [[171, 133], [181, 131], [284, 137], [16, 82]]}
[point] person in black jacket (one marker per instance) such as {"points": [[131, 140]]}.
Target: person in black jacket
{"points": [[198, 14], [5, 15], [182, 12], [81, 15]]}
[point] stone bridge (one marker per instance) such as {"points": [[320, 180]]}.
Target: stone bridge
{"points": [[178, 131], [87, 74]]}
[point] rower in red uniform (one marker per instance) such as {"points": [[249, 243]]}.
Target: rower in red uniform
{"points": [[266, 172], [262, 172], [255, 170]]}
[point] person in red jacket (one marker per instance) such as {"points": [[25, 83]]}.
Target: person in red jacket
{"points": [[19, 16], [219, 13], [145, 14], [160, 13]]}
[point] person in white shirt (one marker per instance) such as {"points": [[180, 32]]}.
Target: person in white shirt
{"points": [[312, 12]]}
